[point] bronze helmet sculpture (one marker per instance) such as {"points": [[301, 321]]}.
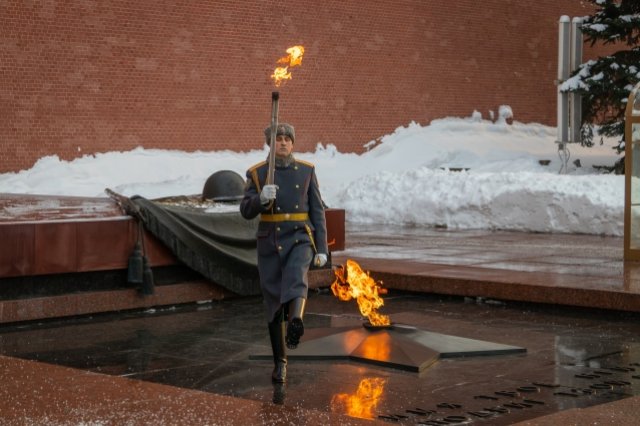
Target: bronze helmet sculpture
{"points": [[224, 185]]}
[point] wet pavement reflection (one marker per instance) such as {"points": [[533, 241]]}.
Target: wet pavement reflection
{"points": [[575, 357]]}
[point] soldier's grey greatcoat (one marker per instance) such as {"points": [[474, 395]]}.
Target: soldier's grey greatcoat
{"points": [[291, 229]]}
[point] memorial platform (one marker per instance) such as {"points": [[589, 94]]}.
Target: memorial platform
{"points": [[570, 299], [561, 269], [64, 256]]}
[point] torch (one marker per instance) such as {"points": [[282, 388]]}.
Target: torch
{"points": [[272, 139], [293, 58]]}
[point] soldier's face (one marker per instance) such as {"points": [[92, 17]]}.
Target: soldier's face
{"points": [[284, 146]]}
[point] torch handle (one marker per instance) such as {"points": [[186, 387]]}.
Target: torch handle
{"points": [[275, 96]]}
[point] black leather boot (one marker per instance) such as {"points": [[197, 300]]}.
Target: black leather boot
{"points": [[279, 393], [276, 334], [295, 327]]}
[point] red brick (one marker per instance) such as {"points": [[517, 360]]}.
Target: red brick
{"points": [[78, 78]]}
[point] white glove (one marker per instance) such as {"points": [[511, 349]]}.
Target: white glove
{"points": [[268, 193], [320, 260]]}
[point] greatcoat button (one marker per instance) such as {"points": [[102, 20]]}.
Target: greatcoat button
{"points": [[278, 228], [279, 247]]}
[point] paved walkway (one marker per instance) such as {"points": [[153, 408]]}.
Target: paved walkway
{"points": [[576, 270], [40, 394]]}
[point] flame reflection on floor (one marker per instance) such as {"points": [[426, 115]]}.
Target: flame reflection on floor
{"points": [[362, 403]]}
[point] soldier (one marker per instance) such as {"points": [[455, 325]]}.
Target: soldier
{"points": [[291, 234]]}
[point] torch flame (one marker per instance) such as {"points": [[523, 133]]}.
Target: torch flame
{"points": [[363, 402], [353, 283], [293, 59]]}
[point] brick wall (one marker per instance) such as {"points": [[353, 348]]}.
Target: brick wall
{"points": [[80, 77]]}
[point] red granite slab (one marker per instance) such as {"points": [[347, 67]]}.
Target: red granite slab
{"points": [[44, 234], [37, 208], [625, 412], [72, 304], [35, 393], [55, 248], [17, 250]]}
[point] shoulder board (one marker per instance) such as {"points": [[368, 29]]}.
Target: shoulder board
{"points": [[306, 163], [255, 166]]}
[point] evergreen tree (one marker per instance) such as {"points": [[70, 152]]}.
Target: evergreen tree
{"points": [[605, 83]]}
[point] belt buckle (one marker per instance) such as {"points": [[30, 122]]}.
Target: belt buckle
{"points": [[287, 216]]}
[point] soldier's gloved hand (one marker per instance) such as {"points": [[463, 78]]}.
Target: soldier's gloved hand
{"points": [[320, 260], [268, 193]]}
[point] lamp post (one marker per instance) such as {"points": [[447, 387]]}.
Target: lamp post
{"points": [[632, 176]]}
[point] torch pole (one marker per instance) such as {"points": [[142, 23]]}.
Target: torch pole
{"points": [[272, 140]]}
